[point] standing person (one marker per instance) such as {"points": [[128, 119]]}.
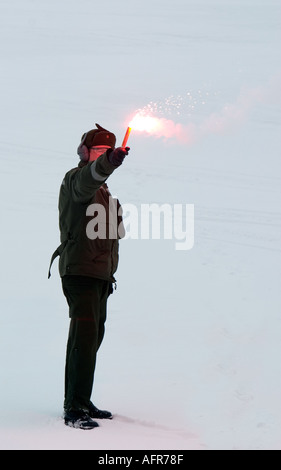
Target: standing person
{"points": [[87, 265]]}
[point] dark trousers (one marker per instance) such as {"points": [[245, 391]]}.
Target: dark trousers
{"points": [[87, 300]]}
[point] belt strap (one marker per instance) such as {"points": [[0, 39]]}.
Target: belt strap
{"points": [[57, 253]]}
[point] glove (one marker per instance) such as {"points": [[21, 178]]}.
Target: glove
{"points": [[117, 156], [83, 151]]}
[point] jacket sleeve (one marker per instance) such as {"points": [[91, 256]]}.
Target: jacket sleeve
{"points": [[83, 183]]}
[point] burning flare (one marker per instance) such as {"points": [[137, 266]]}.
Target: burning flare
{"points": [[159, 127], [201, 122], [145, 123], [128, 131]]}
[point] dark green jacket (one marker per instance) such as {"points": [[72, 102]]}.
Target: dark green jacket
{"points": [[80, 253]]}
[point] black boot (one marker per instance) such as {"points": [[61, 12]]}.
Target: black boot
{"points": [[94, 412], [79, 419]]}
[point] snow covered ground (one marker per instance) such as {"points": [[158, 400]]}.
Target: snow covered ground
{"points": [[191, 357]]}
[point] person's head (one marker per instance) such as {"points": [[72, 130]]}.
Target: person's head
{"points": [[96, 151], [95, 142]]}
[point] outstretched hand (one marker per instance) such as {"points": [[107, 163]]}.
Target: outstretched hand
{"points": [[116, 157]]}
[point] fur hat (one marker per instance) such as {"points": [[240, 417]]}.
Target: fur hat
{"points": [[99, 136]]}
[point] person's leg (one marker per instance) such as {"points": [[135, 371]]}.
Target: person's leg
{"points": [[87, 309], [103, 311], [80, 363], [107, 289]]}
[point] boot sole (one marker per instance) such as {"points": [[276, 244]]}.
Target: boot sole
{"points": [[84, 427]]}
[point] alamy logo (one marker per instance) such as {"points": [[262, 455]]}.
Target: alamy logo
{"points": [[145, 222]]}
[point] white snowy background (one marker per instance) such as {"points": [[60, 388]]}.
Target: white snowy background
{"points": [[191, 356]]}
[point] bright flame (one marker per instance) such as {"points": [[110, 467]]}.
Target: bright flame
{"points": [[199, 124], [218, 122], [159, 127], [143, 123]]}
